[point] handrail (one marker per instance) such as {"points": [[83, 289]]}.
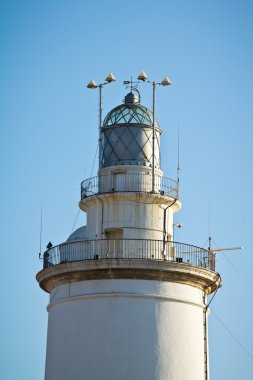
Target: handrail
{"points": [[129, 249], [129, 182]]}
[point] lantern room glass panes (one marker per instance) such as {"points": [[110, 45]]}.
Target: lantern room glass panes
{"points": [[129, 114]]}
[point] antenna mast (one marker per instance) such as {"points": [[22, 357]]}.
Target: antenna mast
{"points": [[213, 250], [40, 230], [178, 153]]}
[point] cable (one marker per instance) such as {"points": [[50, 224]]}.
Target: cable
{"points": [[90, 177], [94, 160], [75, 221], [203, 245], [207, 306], [233, 335]]}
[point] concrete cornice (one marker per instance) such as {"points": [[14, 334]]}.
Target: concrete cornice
{"points": [[198, 277], [147, 198]]}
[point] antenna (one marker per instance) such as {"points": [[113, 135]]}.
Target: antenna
{"points": [[40, 231], [210, 240], [209, 226], [178, 152], [214, 251], [225, 249]]}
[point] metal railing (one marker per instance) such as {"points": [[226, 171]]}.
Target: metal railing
{"points": [[129, 182], [129, 249]]}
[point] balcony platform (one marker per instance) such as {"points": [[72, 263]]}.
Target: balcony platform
{"points": [[199, 277], [129, 259]]}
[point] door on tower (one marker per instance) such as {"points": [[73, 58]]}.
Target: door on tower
{"points": [[120, 181], [114, 243]]}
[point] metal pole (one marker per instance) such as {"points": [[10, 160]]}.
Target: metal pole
{"points": [[153, 141], [100, 128], [205, 309]]}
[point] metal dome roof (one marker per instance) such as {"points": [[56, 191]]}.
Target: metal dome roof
{"points": [[130, 112]]}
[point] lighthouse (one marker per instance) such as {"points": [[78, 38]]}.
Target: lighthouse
{"points": [[126, 300]]}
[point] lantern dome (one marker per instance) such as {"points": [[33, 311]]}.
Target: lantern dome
{"points": [[130, 112]]}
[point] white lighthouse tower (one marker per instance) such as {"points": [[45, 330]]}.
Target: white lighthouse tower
{"points": [[126, 301]]}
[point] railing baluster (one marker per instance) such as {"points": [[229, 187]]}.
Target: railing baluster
{"points": [[129, 249], [136, 182]]}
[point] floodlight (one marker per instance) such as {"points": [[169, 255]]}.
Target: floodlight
{"points": [[166, 81], [142, 76], [92, 84], [110, 78]]}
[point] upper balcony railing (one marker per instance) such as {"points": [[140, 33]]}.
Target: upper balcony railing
{"points": [[128, 182], [129, 249]]}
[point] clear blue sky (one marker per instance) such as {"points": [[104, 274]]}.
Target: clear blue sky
{"points": [[49, 51]]}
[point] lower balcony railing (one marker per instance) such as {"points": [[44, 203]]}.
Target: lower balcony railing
{"points": [[129, 249], [128, 182]]}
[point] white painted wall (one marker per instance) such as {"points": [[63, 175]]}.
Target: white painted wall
{"points": [[136, 214], [140, 215], [125, 329]]}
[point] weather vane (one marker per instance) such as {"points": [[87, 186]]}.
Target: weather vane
{"points": [[132, 85]]}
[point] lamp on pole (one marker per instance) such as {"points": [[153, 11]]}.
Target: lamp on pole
{"points": [[92, 85], [165, 82]]}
